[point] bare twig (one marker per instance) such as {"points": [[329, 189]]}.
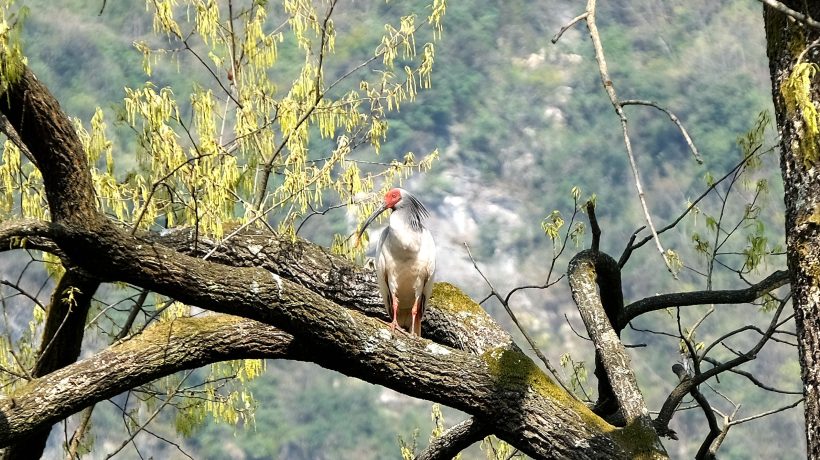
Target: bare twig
{"points": [[613, 98], [79, 433], [767, 413], [754, 379], [674, 119], [804, 18], [631, 246], [568, 26], [156, 412], [683, 388]]}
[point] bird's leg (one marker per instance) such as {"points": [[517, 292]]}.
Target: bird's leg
{"points": [[395, 313], [415, 314]]}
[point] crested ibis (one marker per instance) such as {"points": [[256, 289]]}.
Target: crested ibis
{"points": [[405, 259]]}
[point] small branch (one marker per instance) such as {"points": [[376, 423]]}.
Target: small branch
{"points": [[132, 315], [606, 81], [79, 433], [683, 388], [767, 413], [714, 430], [631, 247], [151, 417], [680, 299], [267, 170], [454, 440], [568, 26], [674, 119], [314, 212], [753, 379], [7, 129], [593, 223], [803, 18]]}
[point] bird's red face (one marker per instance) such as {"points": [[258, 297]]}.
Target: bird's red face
{"points": [[391, 198]]}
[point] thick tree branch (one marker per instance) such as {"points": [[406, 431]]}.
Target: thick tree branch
{"points": [[343, 282], [309, 265], [27, 234], [791, 45], [582, 279], [160, 350], [50, 137]]}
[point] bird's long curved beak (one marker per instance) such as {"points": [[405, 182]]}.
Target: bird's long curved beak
{"points": [[370, 219]]}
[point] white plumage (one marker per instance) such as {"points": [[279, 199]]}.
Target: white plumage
{"points": [[405, 260]]}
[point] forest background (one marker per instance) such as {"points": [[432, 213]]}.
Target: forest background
{"points": [[517, 122]]}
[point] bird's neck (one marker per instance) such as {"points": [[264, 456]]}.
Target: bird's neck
{"points": [[404, 229], [406, 220]]}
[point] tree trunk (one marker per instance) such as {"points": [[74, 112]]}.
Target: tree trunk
{"points": [[793, 51]]}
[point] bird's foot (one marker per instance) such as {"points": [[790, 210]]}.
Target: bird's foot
{"points": [[395, 328], [394, 325]]}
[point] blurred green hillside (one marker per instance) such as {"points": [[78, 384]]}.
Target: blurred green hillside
{"points": [[519, 122]]}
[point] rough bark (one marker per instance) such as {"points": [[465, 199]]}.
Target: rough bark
{"points": [[159, 350], [787, 41], [45, 130], [42, 127], [60, 346], [504, 385], [456, 439], [583, 277], [451, 318]]}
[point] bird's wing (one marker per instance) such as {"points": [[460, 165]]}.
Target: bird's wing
{"points": [[428, 252], [381, 272]]}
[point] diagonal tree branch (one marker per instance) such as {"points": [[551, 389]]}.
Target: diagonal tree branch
{"points": [[160, 350], [309, 265], [582, 276], [504, 384]]}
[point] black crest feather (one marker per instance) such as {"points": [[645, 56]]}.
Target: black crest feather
{"points": [[417, 212]]}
